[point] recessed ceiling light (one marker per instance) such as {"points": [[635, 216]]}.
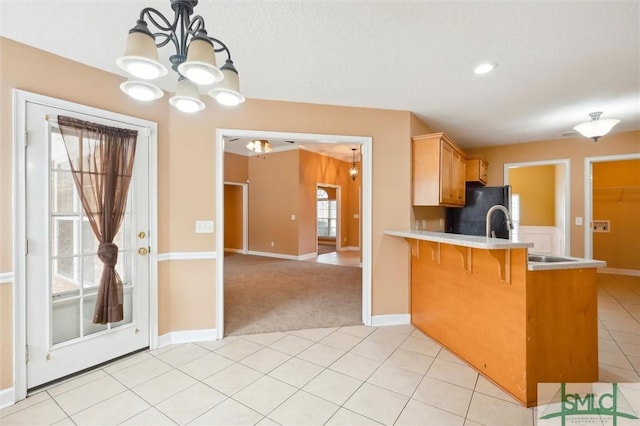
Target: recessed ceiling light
{"points": [[485, 68]]}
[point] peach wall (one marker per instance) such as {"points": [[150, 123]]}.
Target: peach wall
{"points": [[236, 168], [185, 295], [273, 198], [6, 335], [537, 203], [616, 197], [576, 149]]}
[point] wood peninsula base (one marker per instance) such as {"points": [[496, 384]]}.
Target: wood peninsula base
{"points": [[515, 326]]}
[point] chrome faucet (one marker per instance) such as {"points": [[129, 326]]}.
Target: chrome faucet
{"points": [[506, 213]]}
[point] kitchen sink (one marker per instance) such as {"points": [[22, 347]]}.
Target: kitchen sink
{"points": [[548, 259]]}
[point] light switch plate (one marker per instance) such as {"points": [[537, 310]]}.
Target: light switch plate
{"points": [[578, 221], [204, 227]]}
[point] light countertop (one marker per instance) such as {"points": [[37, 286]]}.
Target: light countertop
{"points": [[571, 263], [472, 241], [480, 242]]}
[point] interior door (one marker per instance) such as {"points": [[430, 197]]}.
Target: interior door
{"points": [[62, 267]]}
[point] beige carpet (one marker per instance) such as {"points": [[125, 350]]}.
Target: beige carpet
{"points": [[263, 294]]}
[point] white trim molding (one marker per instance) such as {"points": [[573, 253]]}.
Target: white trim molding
{"points": [[588, 195], [283, 256], [365, 143], [6, 277], [187, 336], [390, 319], [187, 255], [7, 397], [618, 271]]}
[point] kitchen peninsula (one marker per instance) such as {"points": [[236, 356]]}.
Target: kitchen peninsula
{"points": [[517, 322]]}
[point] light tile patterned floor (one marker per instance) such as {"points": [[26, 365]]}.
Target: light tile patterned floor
{"points": [[333, 376]]}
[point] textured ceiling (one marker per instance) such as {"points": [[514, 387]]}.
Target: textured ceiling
{"points": [[557, 60]]}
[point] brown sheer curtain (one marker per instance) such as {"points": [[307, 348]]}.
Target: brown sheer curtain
{"points": [[101, 160]]}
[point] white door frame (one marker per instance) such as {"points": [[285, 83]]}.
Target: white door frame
{"points": [[20, 99], [367, 160], [588, 195], [245, 214], [338, 189], [567, 199]]}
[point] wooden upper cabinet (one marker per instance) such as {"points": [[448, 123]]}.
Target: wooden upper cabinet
{"points": [[438, 171], [477, 167]]}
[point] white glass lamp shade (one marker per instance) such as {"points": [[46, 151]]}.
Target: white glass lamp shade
{"points": [[227, 92], [187, 98], [141, 57], [353, 172], [200, 66], [141, 90], [596, 128]]}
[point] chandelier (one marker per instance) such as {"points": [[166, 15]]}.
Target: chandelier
{"points": [[259, 146], [353, 170], [596, 128], [194, 60]]}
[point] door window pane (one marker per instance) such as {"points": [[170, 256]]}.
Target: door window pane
{"points": [[65, 314], [64, 275], [63, 193], [88, 308], [64, 236], [92, 271]]}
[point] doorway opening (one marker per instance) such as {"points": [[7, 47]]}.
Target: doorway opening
{"points": [[612, 204], [328, 209], [328, 142], [536, 185]]}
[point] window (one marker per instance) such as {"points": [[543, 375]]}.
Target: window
{"points": [[326, 213]]}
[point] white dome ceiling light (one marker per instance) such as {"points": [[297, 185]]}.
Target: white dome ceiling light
{"points": [[596, 128]]}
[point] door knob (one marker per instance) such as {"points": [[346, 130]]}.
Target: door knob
{"points": [[143, 251]]}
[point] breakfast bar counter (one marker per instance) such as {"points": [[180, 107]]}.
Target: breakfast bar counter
{"points": [[516, 324]]}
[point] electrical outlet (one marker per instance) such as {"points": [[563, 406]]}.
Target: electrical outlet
{"points": [[578, 221], [273, 243], [204, 227], [293, 217]]}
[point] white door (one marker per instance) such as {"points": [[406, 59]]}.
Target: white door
{"points": [[62, 268]]}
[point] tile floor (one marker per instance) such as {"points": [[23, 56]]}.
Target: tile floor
{"points": [[333, 376]]}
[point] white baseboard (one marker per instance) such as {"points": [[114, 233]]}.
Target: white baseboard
{"points": [[617, 271], [233, 250], [349, 248], [391, 319], [187, 336], [7, 397], [308, 256], [283, 256]]}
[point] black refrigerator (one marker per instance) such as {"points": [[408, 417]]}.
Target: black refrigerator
{"points": [[471, 219]]}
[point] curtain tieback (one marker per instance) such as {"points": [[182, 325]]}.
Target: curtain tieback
{"points": [[108, 254]]}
